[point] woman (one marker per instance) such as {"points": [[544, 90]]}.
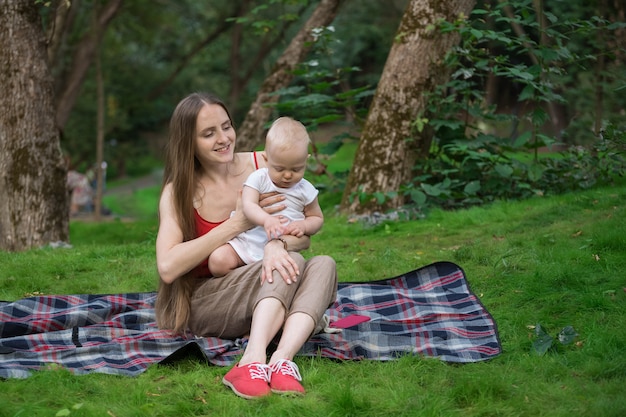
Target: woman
{"points": [[200, 210]]}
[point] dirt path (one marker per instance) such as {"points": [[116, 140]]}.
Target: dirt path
{"points": [[133, 185], [127, 188]]}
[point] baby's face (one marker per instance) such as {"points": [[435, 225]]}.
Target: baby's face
{"points": [[286, 168]]}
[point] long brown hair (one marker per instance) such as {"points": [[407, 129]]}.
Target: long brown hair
{"points": [[172, 305]]}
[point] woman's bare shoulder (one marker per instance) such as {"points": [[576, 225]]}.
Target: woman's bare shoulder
{"points": [[167, 190], [252, 159], [259, 159], [166, 196]]}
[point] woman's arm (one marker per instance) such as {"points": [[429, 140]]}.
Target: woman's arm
{"points": [[175, 257]]}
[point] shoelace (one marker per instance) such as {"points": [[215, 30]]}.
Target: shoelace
{"points": [[287, 367], [259, 371]]}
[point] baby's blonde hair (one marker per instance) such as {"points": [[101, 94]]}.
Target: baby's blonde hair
{"points": [[285, 134]]}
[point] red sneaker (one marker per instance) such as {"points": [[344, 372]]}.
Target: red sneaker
{"points": [[284, 378], [249, 381]]}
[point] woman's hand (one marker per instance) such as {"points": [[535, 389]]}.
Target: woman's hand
{"points": [[239, 217], [269, 202], [277, 259]]}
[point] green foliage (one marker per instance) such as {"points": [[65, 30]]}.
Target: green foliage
{"points": [[319, 97], [264, 18], [318, 94], [544, 342], [470, 161], [152, 56], [467, 173], [583, 168]]}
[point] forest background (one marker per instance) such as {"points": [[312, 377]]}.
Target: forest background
{"points": [[153, 56], [437, 96]]}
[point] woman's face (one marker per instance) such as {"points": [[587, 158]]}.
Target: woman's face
{"points": [[215, 135]]}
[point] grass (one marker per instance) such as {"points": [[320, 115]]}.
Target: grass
{"points": [[557, 261]]}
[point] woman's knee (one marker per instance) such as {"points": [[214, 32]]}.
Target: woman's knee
{"points": [[299, 260], [324, 269], [328, 261], [323, 264]]}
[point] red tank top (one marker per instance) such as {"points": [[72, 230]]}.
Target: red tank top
{"points": [[203, 227]]}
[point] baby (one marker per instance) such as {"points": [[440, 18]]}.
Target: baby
{"points": [[286, 153]]}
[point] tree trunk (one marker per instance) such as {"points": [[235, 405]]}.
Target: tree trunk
{"points": [[599, 73], [241, 76], [234, 63], [81, 62], [99, 174], [553, 111], [56, 31], [389, 147], [250, 134], [618, 40], [34, 205]]}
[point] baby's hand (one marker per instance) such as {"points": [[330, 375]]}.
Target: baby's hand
{"points": [[273, 227], [295, 228]]}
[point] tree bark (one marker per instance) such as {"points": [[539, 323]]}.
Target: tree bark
{"points": [[389, 146], [250, 134], [34, 205]]}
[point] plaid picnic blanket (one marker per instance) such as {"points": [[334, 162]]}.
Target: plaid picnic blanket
{"points": [[429, 311]]}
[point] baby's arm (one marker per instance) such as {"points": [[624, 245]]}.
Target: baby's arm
{"points": [[257, 215], [312, 223]]}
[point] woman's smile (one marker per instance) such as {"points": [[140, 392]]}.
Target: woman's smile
{"points": [[223, 149]]}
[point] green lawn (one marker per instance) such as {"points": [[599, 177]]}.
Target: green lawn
{"points": [[556, 261]]}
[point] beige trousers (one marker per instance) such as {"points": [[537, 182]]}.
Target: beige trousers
{"points": [[223, 307]]}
